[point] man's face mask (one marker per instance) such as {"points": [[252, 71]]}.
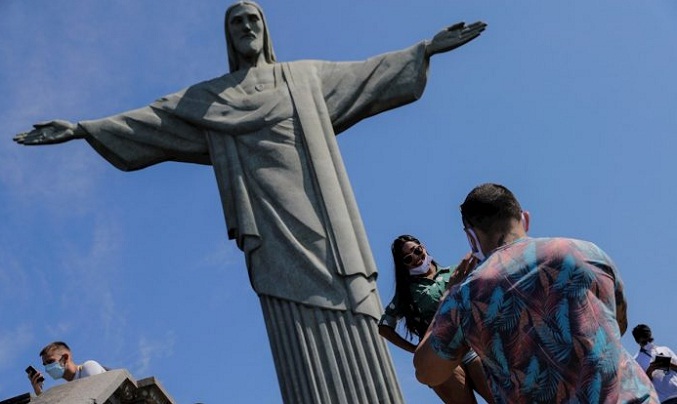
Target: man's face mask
{"points": [[55, 369]]}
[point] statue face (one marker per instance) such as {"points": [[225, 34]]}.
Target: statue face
{"points": [[246, 29]]}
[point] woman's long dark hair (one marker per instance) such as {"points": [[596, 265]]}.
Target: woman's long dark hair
{"points": [[403, 300]]}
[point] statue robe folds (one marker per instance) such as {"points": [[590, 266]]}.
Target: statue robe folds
{"points": [[285, 193]]}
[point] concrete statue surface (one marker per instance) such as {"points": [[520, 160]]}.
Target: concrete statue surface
{"points": [[268, 129]]}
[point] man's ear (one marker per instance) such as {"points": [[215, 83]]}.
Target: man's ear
{"points": [[471, 240], [526, 220]]}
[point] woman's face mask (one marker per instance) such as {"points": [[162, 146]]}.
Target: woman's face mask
{"points": [[423, 268]]}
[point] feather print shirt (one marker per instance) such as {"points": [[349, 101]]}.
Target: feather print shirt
{"points": [[544, 315]]}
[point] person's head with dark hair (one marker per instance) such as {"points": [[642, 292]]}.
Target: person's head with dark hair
{"points": [[247, 36], [490, 207], [58, 360], [492, 217], [56, 345], [411, 259], [642, 334], [397, 249]]}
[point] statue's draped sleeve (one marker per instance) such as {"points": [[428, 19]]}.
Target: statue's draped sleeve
{"points": [[357, 90], [137, 139]]}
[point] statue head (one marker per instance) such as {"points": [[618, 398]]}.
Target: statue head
{"points": [[259, 43]]}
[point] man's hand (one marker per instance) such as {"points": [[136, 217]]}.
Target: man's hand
{"points": [[649, 371], [50, 133], [454, 36], [36, 382], [467, 264]]}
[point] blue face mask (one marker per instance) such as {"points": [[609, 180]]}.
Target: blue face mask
{"points": [[55, 369]]}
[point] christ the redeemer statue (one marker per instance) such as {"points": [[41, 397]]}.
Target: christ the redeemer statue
{"points": [[269, 130]]}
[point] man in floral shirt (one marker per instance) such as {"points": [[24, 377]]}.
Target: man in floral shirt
{"points": [[544, 314]]}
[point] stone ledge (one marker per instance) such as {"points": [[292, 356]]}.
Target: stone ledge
{"points": [[112, 387]]}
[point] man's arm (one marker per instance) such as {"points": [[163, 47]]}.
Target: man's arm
{"points": [[621, 302], [606, 264], [622, 315], [432, 369]]}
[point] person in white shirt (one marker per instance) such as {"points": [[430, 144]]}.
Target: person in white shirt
{"points": [[661, 371], [58, 361]]}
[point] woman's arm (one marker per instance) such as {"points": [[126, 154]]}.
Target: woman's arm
{"points": [[391, 335]]}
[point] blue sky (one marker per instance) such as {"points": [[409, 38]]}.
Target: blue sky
{"points": [[569, 104]]}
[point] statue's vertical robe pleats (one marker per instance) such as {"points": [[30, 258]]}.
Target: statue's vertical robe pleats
{"points": [[328, 356]]}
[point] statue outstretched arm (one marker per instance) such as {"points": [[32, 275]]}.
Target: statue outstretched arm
{"points": [[51, 132], [454, 36]]}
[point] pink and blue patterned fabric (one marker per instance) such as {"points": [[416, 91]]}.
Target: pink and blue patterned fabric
{"points": [[541, 313]]}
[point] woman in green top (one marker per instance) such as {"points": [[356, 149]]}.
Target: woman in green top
{"points": [[419, 285]]}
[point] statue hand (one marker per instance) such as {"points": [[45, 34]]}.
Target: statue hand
{"points": [[51, 132], [454, 36]]}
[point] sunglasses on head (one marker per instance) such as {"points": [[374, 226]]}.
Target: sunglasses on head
{"points": [[409, 258]]}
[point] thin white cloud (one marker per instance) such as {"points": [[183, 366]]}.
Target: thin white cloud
{"points": [[57, 329], [223, 254], [90, 276], [60, 182], [14, 280], [151, 349], [13, 341]]}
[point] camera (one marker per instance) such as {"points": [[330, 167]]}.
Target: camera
{"points": [[662, 362]]}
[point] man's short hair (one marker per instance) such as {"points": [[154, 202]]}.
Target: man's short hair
{"points": [[54, 345], [490, 207], [642, 332]]}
